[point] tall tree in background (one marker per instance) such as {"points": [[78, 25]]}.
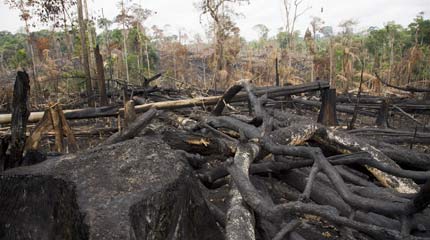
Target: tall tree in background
{"points": [[69, 42], [420, 30], [348, 57], [316, 25], [292, 13], [48, 11], [221, 14], [105, 24], [311, 46], [24, 8], [85, 54], [124, 19], [263, 34], [89, 28], [140, 15]]}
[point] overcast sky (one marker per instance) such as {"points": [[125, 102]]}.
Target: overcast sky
{"points": [[181, 14]]}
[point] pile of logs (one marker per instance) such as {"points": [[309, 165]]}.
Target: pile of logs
{"points": [[287, 176], [356, 185]]}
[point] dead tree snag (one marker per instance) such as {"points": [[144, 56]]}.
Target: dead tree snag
{"points": [[20, 114], [327, 115], [100, 77]]}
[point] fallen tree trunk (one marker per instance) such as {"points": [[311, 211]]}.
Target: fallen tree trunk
{"points": [[347, 144], [339, 108], [273, 92], [240, 219], [206, 101], [406, 88], [134, 128], [226, 98], [393, 136], [85, 113]]}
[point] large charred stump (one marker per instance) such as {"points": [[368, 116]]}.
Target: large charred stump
{"points": [[20, 114], [39, 207], [138, 189]]}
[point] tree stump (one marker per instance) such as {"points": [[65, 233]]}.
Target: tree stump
{"points": [[382, 119], [138, 189], [129, 113], [327, 115]]}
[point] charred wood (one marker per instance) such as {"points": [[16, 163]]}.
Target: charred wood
{"points": [[20, 114]]}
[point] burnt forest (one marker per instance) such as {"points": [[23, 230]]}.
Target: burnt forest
{"points": [[214, 119]]}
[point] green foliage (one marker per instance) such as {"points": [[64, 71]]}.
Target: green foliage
{"points": [[420, 29], [282, 39], [12, 50]]}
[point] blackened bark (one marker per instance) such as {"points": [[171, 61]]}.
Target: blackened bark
{"points": [[101, 77], [86, 61], [327, 115], [20, 114], [382, 119], [226, 98]]}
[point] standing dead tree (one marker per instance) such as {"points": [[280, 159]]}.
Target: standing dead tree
{"points": [[20, 114], [223, 26], [292, 13], [101, 76], [124, 19], [85, 54]]}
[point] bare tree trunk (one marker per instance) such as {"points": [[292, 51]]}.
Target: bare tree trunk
{"points": [[82, 31], [147, 57], [277, 72], [139, 58], [2, 68], [90, 35], [20, 114], [69, 44], [109, 52], [101, 76], [33, 57], [124, 41], [219, 55], [312, 68], [332, 83], [390, 75]]}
